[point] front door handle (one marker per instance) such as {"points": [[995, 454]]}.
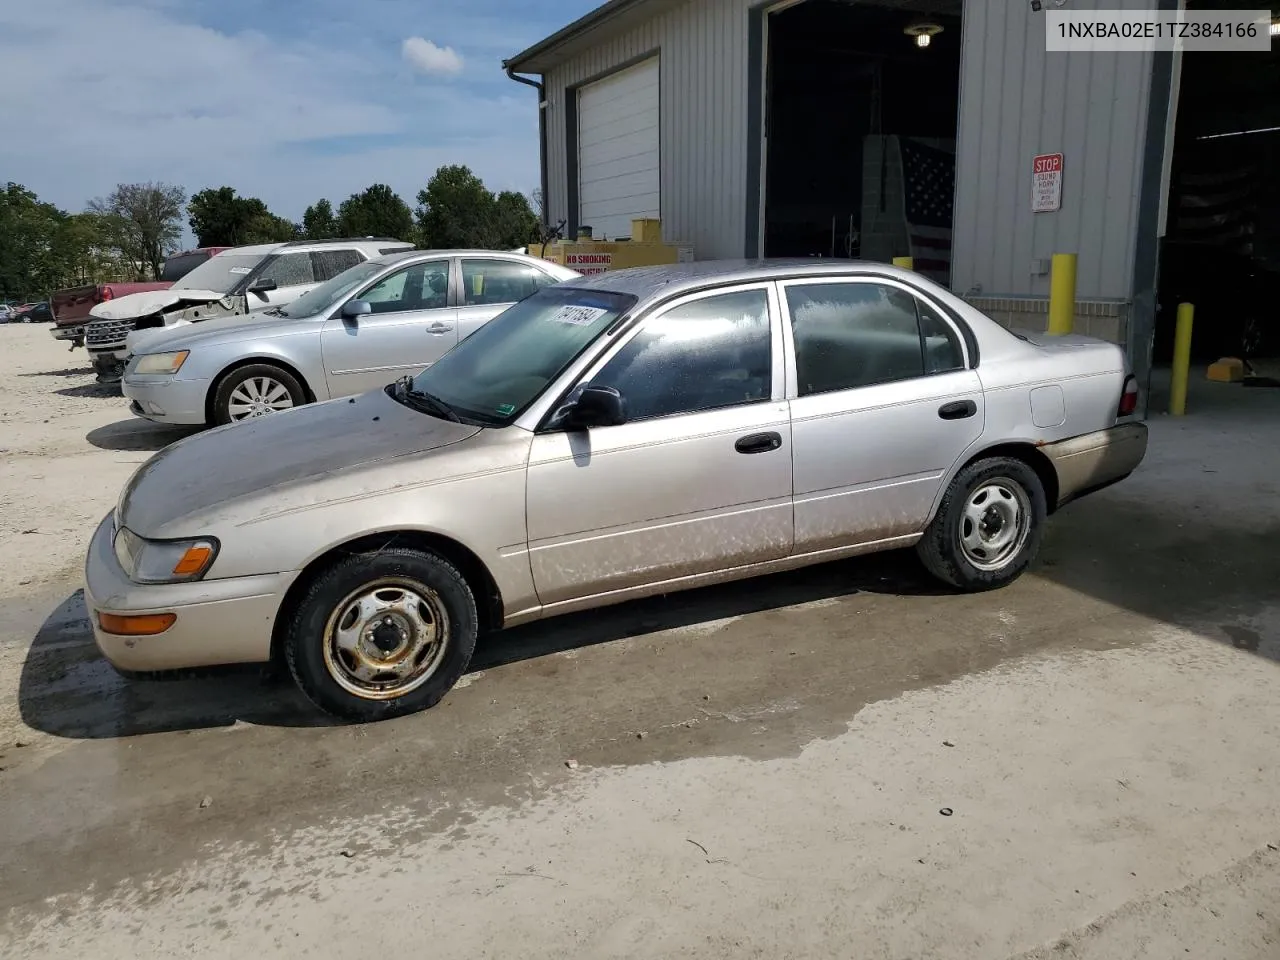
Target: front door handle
{"points": [[438, 327], [759, 443], [960, 410]]}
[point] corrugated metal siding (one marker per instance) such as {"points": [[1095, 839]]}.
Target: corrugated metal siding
{"points": [[1017, 101], [703, 47]]}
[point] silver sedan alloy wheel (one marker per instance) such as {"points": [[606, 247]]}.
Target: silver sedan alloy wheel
{"points": [[995, 524], [257, 397], [386, 639]]}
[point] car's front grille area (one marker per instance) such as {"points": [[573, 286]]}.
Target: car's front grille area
{"points": [[106, 333]]}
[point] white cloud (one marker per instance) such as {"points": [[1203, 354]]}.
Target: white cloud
{"points": [[425, 57]]}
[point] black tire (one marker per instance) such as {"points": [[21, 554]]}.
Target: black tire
{"points": [[942, 549], [316, 665], [227, 387]]}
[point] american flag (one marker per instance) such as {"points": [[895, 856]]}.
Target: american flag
{"points": [[929, 187]]}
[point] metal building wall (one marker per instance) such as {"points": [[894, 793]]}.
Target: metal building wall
{"points": [[1016, 101], [703, 49]]}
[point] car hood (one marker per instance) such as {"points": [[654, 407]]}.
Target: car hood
{"points": [[188, 336], [283, 459], [150, 301]]}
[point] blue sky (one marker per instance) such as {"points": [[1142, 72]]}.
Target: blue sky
{"points": [[288, 100]]}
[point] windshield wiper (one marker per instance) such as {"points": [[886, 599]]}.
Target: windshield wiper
{"points": [[421, 400], [277, 312]]}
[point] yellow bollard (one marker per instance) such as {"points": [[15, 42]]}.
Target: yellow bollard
{"points": [[906, 263], [1181, 359], [1062, 293]]}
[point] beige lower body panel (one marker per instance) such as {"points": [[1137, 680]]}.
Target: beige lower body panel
{"points": [[1096, 459]]}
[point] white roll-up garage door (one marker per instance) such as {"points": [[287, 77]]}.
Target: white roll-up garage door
{"points": [[618, 155]]}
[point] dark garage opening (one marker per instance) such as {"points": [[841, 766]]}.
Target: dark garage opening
{"points": [[1221, 249], [860, 132]]}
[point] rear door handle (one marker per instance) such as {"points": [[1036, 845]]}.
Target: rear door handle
{"points": [[439, 327], [759, 443], [960, 410]]}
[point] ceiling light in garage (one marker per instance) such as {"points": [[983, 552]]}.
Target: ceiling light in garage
{"points": [[923, 33]]}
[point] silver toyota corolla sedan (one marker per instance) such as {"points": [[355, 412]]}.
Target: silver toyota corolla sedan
{"points": [[362, 329], [627, 434]]}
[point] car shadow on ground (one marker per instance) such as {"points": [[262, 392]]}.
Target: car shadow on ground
{"points": [[137, 435], [67, 689], [66, 372], [103, 391]]}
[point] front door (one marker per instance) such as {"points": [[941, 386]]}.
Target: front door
{"points": [[884, 404], [699, 477], [411, 327]]}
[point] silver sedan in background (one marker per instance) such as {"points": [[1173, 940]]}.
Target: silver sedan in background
{"points": [[617, 436], [367, 326]]}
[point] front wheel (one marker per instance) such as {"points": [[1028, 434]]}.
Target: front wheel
{"points": [[988, 527], [383, 634], [256, 391]]}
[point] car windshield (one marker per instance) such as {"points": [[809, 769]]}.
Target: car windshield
{"points": [[504, 366], [331, 291], [221, 273]]}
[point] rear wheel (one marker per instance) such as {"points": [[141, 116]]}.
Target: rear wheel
{"points": [[383, 634], [256, 391], [988, 527]]}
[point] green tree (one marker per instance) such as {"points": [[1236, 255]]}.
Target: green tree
{"points": [[318, 221], [375, 212], [266, 227], [145, 220], [457, 210], [28, 230]]}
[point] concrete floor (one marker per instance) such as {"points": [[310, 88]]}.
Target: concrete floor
{"points": [[844, 761]]}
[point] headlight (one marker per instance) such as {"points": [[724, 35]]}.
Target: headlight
{"points": [[161, 362], [163, 561]]}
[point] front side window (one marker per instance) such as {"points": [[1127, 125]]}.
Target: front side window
{"points": [[423, 286], [327, 264], [850, 335], [488, 282], [290, 270], [711, 353], [504, 366]]}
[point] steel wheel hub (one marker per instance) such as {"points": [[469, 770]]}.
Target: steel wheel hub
{"points": [[994, 524]]}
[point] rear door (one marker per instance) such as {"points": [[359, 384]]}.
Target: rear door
{"points": [[883, 404], [699, 477], [489, 286], [411, 327]]}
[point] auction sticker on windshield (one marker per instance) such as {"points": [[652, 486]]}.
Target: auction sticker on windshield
{"points": [[240, 271], [577, 316]]}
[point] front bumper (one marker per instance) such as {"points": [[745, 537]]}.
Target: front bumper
{"points": [[1096, 460], [218, 622], [166, 400], [68, 333]]}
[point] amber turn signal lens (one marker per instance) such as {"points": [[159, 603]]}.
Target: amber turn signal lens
{"points": [[193, 561], [139, 625]]}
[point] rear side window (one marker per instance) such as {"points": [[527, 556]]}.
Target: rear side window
{"points": [[850, 335], [488, 282], [290, 270], [327, 264], [175, 268], [711, 353]]}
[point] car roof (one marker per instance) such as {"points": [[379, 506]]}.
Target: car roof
{"points": [[402, 255], [674, 279]]}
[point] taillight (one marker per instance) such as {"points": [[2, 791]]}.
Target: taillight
{"points": [[104, 294], [1129, 398]]}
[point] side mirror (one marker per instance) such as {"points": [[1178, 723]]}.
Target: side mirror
{"points": [[596, 407], [263, 285], [354, 309]]}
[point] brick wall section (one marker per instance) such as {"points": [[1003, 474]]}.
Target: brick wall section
{"points": [[1104, 319]]}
